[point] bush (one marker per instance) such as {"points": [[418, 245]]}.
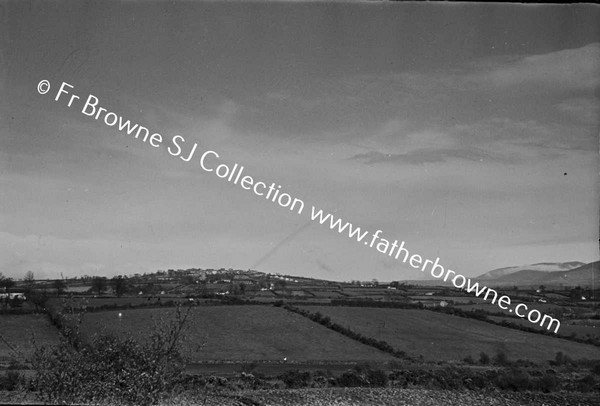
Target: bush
{"points": [[296, 379], [475, 381], [501, 359], [561, 359], [484, 359], [450, 377], [515, 379], [377, 378], [546, 383], [363, 375], [586, 384], [350, 379], [11, 380], [112, 369]]}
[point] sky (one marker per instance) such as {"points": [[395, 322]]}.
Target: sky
{"points": [[469, 131]]}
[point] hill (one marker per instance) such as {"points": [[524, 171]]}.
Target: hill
{"points": [[579, 276], [582, 275], [541, 267]]}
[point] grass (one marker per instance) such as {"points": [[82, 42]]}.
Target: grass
{"points": [[19, 334], [442, 337], [242, 333], [580, 327]]}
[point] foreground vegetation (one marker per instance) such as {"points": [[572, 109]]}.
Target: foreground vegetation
{"points": [[113, 366], [237, 349]]}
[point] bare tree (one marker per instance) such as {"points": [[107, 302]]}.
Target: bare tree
{"points": [[28, 280], [38, 298], [120, 285], [99, 284], [6, 283]]}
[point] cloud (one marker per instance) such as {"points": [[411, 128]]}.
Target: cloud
{"points": [[586, 110], [569, 69], [429, 155], [490, 87], [525, 138]]}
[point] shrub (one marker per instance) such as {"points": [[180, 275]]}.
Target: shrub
{"points": [[296, 379], [377, 378], [448, 377], [501, 358], [14, 364], [322, 379], [11, 380], [561, 359], [112, 369], [586, 384], [514, 379], [484, 359], [546, 383], [350, 379], [363, 375], [394, 364], [475, 382]]}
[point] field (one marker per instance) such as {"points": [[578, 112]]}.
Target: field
{"points": [[270, 343], [442, 337], [19, 334], [581, 328], [243, 333]]}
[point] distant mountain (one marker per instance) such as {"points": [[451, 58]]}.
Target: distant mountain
{"points": [[541, 267], [564, 274], [579, 276]]}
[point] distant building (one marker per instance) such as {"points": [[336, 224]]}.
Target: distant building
{"points": [[243, 279], [13, 295]]}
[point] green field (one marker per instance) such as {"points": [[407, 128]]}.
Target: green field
{"points": [[582, 328], [442, 337], [243, 333], [20, 334]]}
